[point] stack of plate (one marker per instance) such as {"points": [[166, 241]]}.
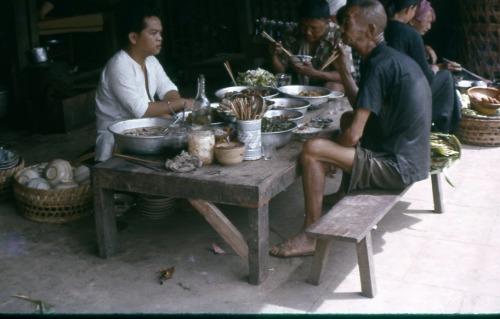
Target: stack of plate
{"points": [[8, 159], [155, 207]]}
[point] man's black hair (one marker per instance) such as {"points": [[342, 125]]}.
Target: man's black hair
{"points": [[395, 6], [131, 16], [314, 9]]}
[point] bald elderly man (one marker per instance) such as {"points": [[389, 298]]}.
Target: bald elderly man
{"points": [[384, 143]]}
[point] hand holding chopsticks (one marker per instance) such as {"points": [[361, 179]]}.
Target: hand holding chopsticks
{"points": [[469, 72], [230, 72], [333, 57], [270, 39]]}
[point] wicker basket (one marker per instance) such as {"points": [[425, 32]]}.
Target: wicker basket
{"points": [[479, 131], [55, 205], [6, 177]]}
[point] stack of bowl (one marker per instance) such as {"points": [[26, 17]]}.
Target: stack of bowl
{"points": [[8, 159], [155, 207]]}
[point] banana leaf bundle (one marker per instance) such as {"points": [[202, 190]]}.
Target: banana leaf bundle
{"points": [[445, 150]]}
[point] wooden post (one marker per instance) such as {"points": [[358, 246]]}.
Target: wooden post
{"points": [[105, 219], [437, 193], [319, 261], [365, 265], [258, 244]]}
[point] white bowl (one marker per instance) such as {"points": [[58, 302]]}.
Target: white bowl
{"points": [[38, 183], [26, 175], [81, 173], [58, 170]]}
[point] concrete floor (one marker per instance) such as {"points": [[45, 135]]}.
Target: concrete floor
{"points": [[424, 263]]}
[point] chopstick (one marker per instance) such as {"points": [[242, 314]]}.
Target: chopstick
{"points": [[270, 38], [469, 72], [330, 60], [230, 72], [140, 161]]}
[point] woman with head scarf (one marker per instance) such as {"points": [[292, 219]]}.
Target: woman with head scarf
{"points": [[401, 36], [316, 37], [422, 22]]}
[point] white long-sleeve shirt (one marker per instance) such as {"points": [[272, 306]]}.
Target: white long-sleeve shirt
{"points": [[121, 95]]}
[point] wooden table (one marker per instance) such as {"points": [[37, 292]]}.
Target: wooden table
{"points": [[250, 185]]}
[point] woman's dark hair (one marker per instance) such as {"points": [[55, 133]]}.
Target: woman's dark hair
{"points": [[395, 6], [131, 16], [314, 9]]}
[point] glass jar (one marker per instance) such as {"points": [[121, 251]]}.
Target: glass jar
{"points": [[201, 143]]}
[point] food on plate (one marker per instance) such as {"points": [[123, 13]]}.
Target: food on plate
{"points": [[145, 131], [311, 93], [276, 124], [483, 98], [259, 77], [250, 91]]}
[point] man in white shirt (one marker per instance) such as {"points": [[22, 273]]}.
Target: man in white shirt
{"points": [[133, 77]]}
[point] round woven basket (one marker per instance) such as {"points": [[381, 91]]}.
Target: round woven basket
{"points": [[6, 177], [53, 206], [479, 131]]}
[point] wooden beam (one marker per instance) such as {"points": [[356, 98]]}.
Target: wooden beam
{"points": [[222, 226]]}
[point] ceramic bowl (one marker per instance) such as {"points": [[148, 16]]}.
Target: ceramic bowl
{"points": [[58, 171], [229, 153], [39, 183], [26, 175], [81, 173]]}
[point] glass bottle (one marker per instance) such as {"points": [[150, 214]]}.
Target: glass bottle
{"points": [[201, 107]]}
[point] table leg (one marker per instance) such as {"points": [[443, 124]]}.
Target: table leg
{"points": [[258, 244], [105, 221]]}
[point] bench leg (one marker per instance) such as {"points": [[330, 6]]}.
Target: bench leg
{"points": [[437, 193], [365, 264], [319, 260]]}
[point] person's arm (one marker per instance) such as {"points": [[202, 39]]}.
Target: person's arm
{"points": [[351, 136], [342, 65], [417, 52], [276, 61], [171, 103], [308, 70]]}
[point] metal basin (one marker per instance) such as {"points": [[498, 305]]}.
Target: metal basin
{"points": [[278, 139], [295, 90], [285, 103], [176, 138], [222, 92], [292, 115]]}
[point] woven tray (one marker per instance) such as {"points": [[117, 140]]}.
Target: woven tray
{"points": [[6, 177], [53, 206], [479, 131]]}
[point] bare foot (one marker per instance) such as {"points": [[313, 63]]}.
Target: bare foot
{"points": [[300, 245]]}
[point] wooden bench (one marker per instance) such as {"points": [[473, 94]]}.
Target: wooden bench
{"points": [[352, 219]]}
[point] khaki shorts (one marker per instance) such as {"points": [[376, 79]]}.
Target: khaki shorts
{"points": [[372, 170]]}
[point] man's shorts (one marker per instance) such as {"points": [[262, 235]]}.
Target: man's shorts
{"points": [[372, 170]]}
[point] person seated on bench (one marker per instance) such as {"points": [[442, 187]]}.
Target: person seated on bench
{"points": [[133, 76], [386, 144]]}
